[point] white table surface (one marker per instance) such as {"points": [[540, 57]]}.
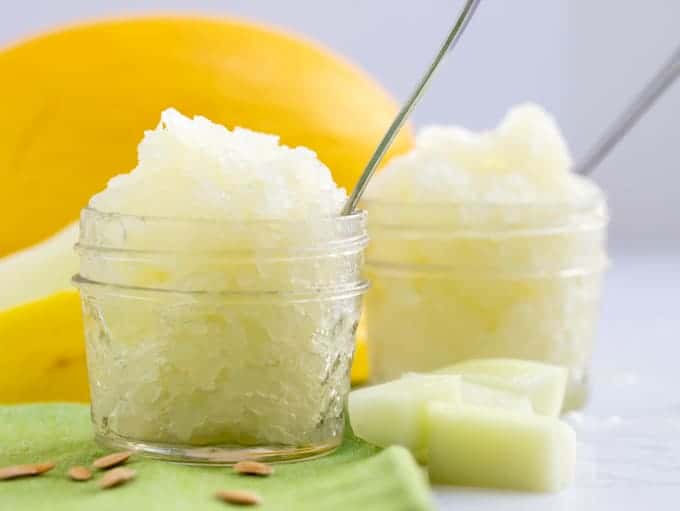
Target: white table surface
{"points": [[629, 434]]}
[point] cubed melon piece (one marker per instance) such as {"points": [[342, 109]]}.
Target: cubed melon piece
{"points": [[544, 384], [395, 413], [481, 395], [487, 447], [488, 397]]}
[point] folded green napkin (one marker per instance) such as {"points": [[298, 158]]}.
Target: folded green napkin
{"points": [[357, 476]]}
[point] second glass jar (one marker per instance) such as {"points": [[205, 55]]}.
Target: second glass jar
{"points": [[452, 282]]}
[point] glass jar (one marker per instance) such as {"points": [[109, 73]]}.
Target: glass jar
{"points": [[452, 282], [214, 342]]}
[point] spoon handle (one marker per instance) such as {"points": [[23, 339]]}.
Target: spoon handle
{"points": [[645, 99], [463, 18]]}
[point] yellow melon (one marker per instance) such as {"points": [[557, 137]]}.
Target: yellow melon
{"points": [[73, 112], [43, 351], [39, 270], [360, 367], [77, 100]]}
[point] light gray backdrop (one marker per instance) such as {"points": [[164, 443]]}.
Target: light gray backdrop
{"points": [[582, 59]]}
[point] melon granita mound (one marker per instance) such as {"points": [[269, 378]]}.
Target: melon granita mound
{"points": [[523, 160], [194, 168]]}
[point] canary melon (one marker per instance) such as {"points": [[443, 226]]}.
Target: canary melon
{"points": [[77, 103], [360, 365], [79, 99], [40, 270], [43, 351]]}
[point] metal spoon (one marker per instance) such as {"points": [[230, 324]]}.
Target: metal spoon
{"points": [[463, 18], [622, 125]]}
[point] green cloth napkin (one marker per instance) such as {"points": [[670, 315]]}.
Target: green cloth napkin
{"points": [[357, 476]]}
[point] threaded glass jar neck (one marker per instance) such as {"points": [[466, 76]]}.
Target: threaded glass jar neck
{"points": [[487, 218], [489, 240], [115, 231], [198, 255]]}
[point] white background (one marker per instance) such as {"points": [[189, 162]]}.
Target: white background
{"points": [[583, 60]]}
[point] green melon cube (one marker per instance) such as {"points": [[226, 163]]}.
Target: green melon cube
{"points": [[544, 384], [395, 413], [488, 397], [487, 447], [481, 395]]}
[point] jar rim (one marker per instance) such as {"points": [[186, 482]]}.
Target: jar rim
{"points": [[111, 232], [489, 218], [592, 200], [88, 211], [442, 271]]}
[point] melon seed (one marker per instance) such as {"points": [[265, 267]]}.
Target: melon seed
{"points": [[79, 473], [239, 497], [116, 477], [111, 460], [253, 468], [16, 471]]}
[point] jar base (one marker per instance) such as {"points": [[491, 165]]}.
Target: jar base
{"points": [[218, 455]]}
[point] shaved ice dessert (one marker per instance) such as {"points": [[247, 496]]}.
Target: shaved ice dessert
{"points": [[485, 244], [194, 168], [221, 293]]}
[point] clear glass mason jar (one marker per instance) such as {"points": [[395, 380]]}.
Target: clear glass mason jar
{"points": [[214, 342], [451, 282]]}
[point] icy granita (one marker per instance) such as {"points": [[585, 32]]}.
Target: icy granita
{"points": [[485, 244], [221, 292]]}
